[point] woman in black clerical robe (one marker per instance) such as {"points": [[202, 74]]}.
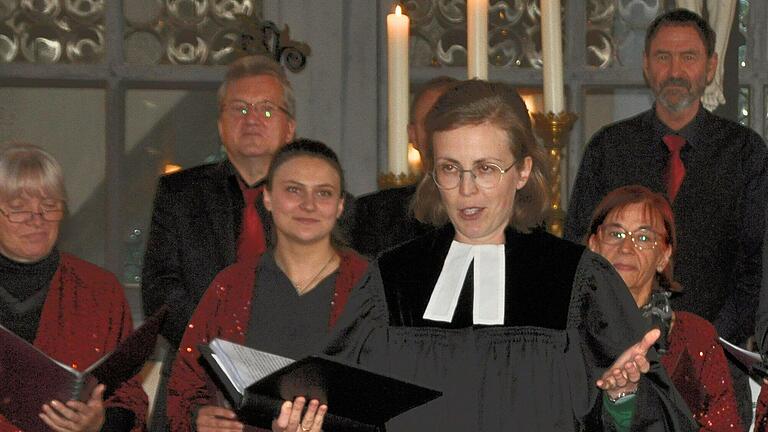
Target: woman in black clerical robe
{"points": [[520, 330]]}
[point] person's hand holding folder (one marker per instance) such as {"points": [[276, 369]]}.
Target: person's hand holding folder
{"points": [[76, 416], [213, 418], [290, 414]]}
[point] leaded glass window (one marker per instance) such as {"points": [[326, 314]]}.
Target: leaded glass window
{"points": [[439, 33]]}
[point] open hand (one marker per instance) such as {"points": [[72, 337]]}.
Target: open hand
{"points": [[625, 372]]}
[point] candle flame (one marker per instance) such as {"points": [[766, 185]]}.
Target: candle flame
{"points": [[171, 168], [398, 11], [530, 102], [414, 160]]}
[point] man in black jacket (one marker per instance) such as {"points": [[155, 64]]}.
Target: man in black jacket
{"points": [[383, 219], [200, 214], [716, 177]]}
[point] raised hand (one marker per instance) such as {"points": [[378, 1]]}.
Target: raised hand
{"points": [[625, 372]]}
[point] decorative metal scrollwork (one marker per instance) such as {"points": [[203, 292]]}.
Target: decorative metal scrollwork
{"points": [[205, 32], [263, 37], [438, 33], [52, 31], [616, 30], [186, 32]]}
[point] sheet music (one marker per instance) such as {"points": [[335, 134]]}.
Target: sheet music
{"points": [[244, 366], [747, 358]]}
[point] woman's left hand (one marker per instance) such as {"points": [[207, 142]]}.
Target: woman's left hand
{"points": [[76, 416], [290, 419], [625, 372]]}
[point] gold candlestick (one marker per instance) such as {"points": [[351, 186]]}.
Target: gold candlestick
{"points": [[552, 129], [390, 180]]}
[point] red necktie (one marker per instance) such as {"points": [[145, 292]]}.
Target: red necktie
{"points": [[675, 167], [251, 242]]}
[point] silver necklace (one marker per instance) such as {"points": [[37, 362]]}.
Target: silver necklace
{"points": [[301, 289]]}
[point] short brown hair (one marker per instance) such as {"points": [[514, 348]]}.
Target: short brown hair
{"points": [[440, 83], [656, 207], [475, 102], [256, 65]]}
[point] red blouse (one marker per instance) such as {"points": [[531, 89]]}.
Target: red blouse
{"points": [[698, 368], [84, 317], [224, 312]]}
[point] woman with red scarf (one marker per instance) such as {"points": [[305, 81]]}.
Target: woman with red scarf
{"points": [[287, 303]]}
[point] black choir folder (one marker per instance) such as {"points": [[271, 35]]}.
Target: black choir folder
{"points": [[29, 378], [257, 383]]}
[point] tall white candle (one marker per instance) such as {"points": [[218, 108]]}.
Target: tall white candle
{"points": [[397, 79], [477, 39], [552, 56]]}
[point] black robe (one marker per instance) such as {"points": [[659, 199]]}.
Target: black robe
{"points": [[568, 316]]}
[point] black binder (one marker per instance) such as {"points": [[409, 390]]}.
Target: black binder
{"points": [[357, 399], [29, 377]]}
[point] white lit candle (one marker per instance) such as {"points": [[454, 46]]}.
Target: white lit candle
{"points": [[552, 56], [477, 39], [397, 78]]}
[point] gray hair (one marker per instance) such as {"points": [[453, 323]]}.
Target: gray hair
{"points": [[682, 18], [28, 169], [256, 65]]}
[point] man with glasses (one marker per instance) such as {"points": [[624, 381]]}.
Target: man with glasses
{"points": [[207, 217], [383, 218], [714, 172]]}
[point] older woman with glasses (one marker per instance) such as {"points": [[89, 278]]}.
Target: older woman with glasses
{"points": [[634, 229], [70, 309], [520, 330]]}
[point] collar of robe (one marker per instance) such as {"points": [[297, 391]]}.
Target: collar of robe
{"points": [[488, 282]]}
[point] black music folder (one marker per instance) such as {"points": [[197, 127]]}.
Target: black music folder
{"points": [[257, 383], [30, 378]]}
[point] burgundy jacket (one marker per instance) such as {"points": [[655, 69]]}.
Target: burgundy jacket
{"points": [[84, 317], [224, 312]]}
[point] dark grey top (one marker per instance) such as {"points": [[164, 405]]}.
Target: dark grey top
{"points": [[284, 322]]}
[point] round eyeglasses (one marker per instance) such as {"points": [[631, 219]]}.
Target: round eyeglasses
{"points": [[48, 215], [264, 109], [642, 239], [448, 175]]}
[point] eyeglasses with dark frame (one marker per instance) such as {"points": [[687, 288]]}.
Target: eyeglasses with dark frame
{"points": [[266, 109], [23, 216], [486, 175], [642, 239]]}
